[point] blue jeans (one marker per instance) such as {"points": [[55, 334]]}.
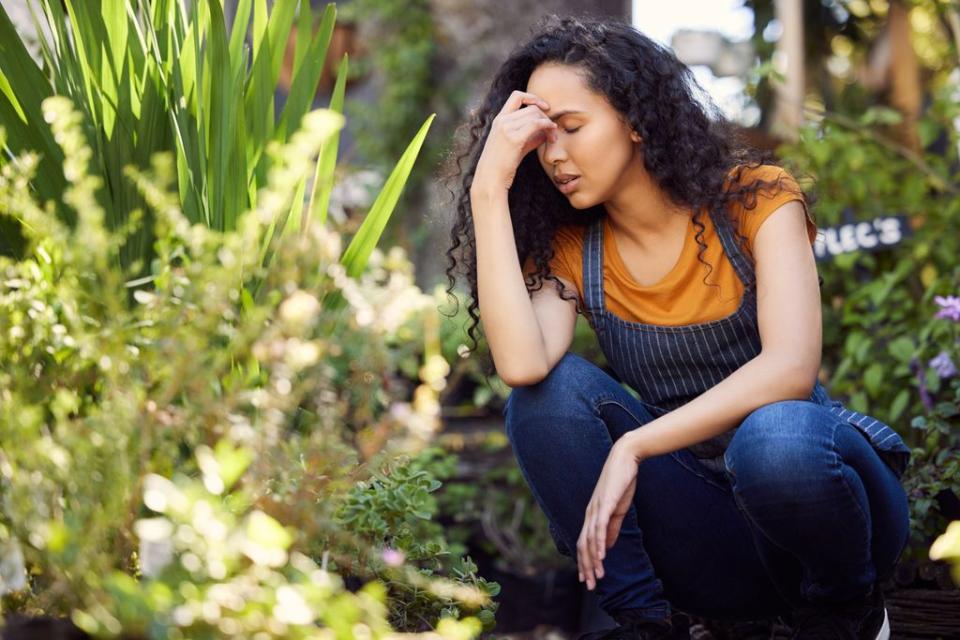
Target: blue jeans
{"points": [[805, 511]]}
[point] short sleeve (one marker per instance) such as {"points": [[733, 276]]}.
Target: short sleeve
{"points": [[567, 255], [770, 199]]}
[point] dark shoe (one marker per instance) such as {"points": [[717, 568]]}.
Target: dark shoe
{"points": [[864, 618], [677, 627]]}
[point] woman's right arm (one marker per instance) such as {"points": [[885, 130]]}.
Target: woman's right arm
{"points": [[527, 337]]}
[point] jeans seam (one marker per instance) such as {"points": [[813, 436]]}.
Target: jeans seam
{"points": [[608, 398], [756, 530], [867, 524]]}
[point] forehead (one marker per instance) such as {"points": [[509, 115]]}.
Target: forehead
{"points": [[562, 86]]}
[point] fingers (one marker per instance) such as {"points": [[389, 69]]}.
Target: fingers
{"points": [[590, 547], [599, 540], [585, 560], [519, 98]]}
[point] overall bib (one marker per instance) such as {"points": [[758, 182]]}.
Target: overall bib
{"points": [[670, 365]]}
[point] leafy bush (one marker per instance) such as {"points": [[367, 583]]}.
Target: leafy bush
{"points": [[881, 338], [114, 382]]}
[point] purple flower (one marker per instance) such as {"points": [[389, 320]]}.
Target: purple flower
{"points": [[393, 557], [943, 365], [949, 307]]}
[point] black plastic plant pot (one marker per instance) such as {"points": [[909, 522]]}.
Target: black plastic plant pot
{"points": [[551, 597]]}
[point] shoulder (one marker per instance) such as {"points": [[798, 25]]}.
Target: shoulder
{"points": [[567, 247], [770, 179], [569, 237], [765, 189]]}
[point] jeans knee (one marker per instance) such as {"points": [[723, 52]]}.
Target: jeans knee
{"points": [[782, 444], [566, 377], [564, 392]]}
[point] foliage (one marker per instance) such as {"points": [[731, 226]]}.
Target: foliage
{"points": [[512, 528], [406, 65], [213, 566], [880, 335], [395, 510], [470, 389], [113, 382], [936, 467], [167, 76]]}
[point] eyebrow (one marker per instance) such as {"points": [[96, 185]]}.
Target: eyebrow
{"points": [[564, 113]]}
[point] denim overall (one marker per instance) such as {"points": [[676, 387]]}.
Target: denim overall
{"points": [[670, 365]]}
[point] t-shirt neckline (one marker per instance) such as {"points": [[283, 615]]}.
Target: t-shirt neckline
{"points": [[617, 260]]}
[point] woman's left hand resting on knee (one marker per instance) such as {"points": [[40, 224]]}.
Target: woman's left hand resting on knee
{"points": [[607, 508]]}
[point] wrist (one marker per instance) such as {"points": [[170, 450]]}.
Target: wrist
{"points": [[484, 195], [635, 444]]}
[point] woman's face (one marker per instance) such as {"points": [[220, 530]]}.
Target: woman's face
{"points": [[592, 139]]}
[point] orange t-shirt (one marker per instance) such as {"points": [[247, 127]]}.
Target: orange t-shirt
{"points": [[680, 297]]}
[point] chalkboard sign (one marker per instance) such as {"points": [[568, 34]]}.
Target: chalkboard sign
{"points": [[880, 233]]}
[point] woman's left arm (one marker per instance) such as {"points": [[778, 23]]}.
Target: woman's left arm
{"points": [[788, 310], [788, 301]]}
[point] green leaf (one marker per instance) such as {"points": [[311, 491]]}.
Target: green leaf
{"points": [[306, 76], [232, 461], [902, 348], [27, 83], [241, 20], [327, 160], [858, 402], [267, 532], [361, 246], [899, 404], [226, 176], [873, 378]]}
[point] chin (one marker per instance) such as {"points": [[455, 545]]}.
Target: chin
{"points": [[578, 201]]}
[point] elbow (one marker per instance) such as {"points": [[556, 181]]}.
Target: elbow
{"points": [[523, 377], [795, 378], [800, 381]]}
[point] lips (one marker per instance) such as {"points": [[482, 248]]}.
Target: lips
{"points": [[566, 182]]}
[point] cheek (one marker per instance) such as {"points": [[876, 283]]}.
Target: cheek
{"points": [[604, 158]]}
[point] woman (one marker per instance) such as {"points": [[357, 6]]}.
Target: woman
{"points": [[732, 487]]}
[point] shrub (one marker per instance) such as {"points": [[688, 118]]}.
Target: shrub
{"points": [[114, 384]]}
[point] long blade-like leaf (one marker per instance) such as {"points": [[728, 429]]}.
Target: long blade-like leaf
{"points": [[307, 76], [30, 87], [327, 161], [223, 200], [362, 245], [238, 34]]}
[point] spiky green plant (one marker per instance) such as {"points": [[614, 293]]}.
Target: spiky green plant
{"points": [[154, 76]]}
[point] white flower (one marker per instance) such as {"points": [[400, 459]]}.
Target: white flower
{"points": [[291, 608], [156, 544], [300, 309]]}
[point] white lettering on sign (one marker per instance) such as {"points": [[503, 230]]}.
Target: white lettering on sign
{"points": [[868, 235], [866, 238]]}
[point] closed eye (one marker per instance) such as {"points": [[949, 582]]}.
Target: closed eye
{"points": [[572, 130]]}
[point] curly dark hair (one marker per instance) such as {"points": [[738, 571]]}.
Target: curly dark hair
{"points": [[693, 152]]}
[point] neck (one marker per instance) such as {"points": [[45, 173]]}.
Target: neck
{"points": [[641, 212]]}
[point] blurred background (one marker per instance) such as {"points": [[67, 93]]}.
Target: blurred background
{"points": [[858, 99]]}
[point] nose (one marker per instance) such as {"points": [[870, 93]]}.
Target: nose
{"points": [[552, 152]]}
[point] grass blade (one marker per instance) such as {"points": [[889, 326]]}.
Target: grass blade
{"points": [[362, 245], [327, 161]]}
